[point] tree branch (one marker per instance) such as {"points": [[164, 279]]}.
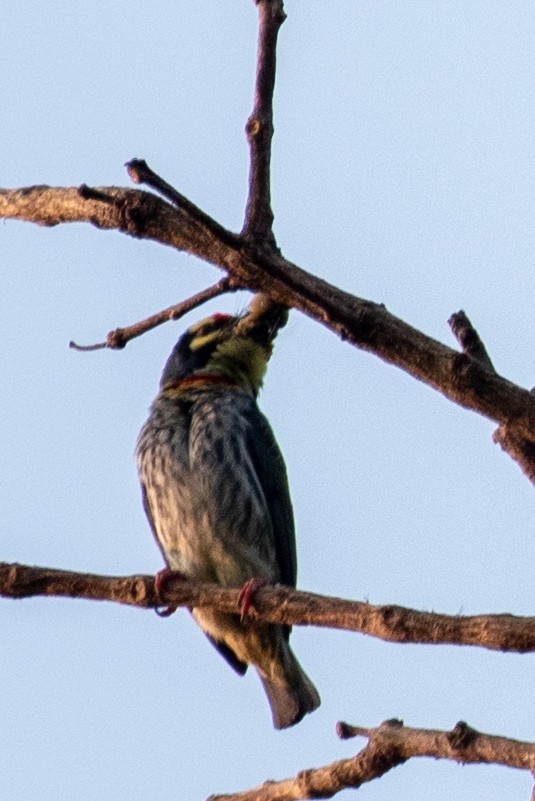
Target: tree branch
{"points": [[389, 745], [257, 227], [519, 448], [130, 211], [278, 604], [140, 173], [119, 337], [469, 340], [365, 324]]}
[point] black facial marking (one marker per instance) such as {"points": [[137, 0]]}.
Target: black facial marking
{"points": [[183, 361]]}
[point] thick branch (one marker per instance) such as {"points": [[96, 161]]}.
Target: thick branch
{"points": [[131, 211], [365, 324], [257, 227], [279, 604], [390, 745]]}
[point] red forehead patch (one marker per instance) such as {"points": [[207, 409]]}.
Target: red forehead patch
{"points": [[222, 318]]}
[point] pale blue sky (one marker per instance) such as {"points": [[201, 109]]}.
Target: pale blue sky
{"points": [[403, 171]]}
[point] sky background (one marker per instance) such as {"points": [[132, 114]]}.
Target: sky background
{"points": [[403, 172]]}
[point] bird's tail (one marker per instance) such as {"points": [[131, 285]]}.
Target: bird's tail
{"points": [[290, 692]]}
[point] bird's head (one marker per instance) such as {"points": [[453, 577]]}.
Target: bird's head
{"points": [[224, 350]]}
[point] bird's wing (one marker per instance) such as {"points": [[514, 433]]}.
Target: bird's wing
{"points": [[148, 512], [271, 472]]}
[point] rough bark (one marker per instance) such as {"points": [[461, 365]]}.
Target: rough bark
{"points": [[278, 604]]}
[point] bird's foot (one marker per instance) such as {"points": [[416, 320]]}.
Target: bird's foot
{"points": [[160, 580], [248, 592]]}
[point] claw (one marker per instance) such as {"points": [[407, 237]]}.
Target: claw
{"points": [[247, 593], [160, 580], [166, 611]]}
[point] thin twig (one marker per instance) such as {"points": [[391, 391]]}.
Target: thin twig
{"points": [[140, 173], [118, 338], [88, 348], [257, 227], [389, 745]]}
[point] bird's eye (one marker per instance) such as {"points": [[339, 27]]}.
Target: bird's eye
{"points": [[209, 328], [207, 333]]}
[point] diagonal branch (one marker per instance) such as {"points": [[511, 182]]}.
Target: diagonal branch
{"points": [[119, 337], [365, 324], [130, 211], [389, 745], [140, 173], [278, 604]]}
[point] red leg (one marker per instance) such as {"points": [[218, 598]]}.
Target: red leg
{"points": [[247, 593], [160, 580]]}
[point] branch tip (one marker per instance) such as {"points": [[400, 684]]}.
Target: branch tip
{"points": [[88, 193], [345, 731], [469, 340], [135, 169], [87, 348]]}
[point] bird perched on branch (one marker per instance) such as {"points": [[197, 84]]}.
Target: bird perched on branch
{"points": [[216, 493]]}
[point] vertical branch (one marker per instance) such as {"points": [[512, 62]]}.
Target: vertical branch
{"points": [[257, 227]]}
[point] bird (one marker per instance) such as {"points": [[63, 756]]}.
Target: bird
{"points": [[215, 492]]}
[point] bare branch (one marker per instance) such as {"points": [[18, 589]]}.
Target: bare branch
{"points": [[257, 227], [365, 324], [390, 745], [263, 309], [278, 604], [469, 339], [119, 337], [131, 211], [519, 447], [89, 348], [140, 173]]}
